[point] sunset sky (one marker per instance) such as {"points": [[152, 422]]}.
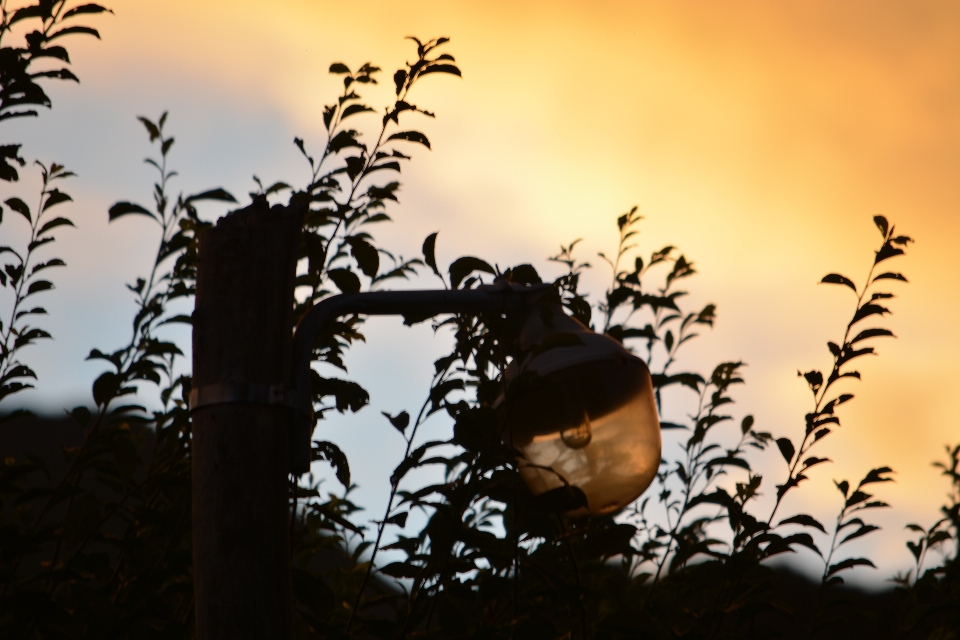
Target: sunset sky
{"points": [[758, 137]]}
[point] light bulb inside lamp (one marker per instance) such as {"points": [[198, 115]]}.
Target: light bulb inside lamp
{"points": [[582, 412]]}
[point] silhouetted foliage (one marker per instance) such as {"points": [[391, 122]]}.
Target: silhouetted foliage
{"points": [[44, 22], [103, 549], [22, 274]]}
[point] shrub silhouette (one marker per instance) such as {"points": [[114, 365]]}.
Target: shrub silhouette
{"points": [[100, 546]]}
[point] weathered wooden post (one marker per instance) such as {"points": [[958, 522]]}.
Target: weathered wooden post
{"points": [[242, 341]]}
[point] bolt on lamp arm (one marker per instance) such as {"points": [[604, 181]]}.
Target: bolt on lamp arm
{"points": [[502, 297]]}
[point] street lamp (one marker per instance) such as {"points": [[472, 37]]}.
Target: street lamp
{"points": [[581, 410], [579, 407]]}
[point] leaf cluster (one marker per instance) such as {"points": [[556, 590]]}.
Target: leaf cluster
{"points": [[494, 559], [44, 23], [346, 196], [23, 277], [104, 550]]}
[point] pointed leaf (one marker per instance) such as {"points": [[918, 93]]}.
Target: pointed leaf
{"points": [[354, 109], [729, 460], [887, 251], [399, 79], [399, 519], [890, 276], [868, 310], [37, 286], [20, 207], [366, 255], [69, 30], [813, 461], [213, 194], [331, 453], [916, 548], [836, 278], [462, 267], [862, 531], [411, 136], [938, 537], [429, 252], [876, 475], [52, 224], [804, 520], [346, 280], [401, 570], [786, 449], [86, 8], [871, 333], [844, 487], [127, 208], [105, 387], [152, 129], [54, 198], [882, 224], [442, 68], [857, 497], [849, 563], [400, 421], [813, 378]]}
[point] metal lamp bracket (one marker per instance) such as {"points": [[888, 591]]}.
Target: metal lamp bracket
{"points": [[501, 297]]}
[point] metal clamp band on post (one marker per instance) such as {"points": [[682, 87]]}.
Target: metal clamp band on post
{"points": [[236, 393], [501, 297]]}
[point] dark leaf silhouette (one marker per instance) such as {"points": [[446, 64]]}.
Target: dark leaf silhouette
{"points": [[462, 267], [399, 421], [411, 136], [331, 453], [429, 252], [882, 224], [366, 255], [836, 278], [786, 449], [850, 563], [346, 280], [886, 252], [890, 276], [127, 208], [868, 310], [213, 194], [804, 520]]}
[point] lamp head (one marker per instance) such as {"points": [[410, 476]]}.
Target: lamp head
{"points": [[580, 409]]}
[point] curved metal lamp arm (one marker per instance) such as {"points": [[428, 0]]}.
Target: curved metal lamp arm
{"points": [[503, 298]]}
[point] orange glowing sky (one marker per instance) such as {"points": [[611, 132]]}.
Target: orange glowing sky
{"points": [[758, 137]]}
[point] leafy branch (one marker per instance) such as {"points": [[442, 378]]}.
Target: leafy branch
{"points": [[820, 421], [342, 201], [19, 91], [854, 502], [23, 276], [146, 357]]}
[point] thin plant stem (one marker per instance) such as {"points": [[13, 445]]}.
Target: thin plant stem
{"points": [[394, 486]]}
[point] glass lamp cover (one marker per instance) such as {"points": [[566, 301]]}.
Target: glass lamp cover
{"points": [[584, 414]]}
